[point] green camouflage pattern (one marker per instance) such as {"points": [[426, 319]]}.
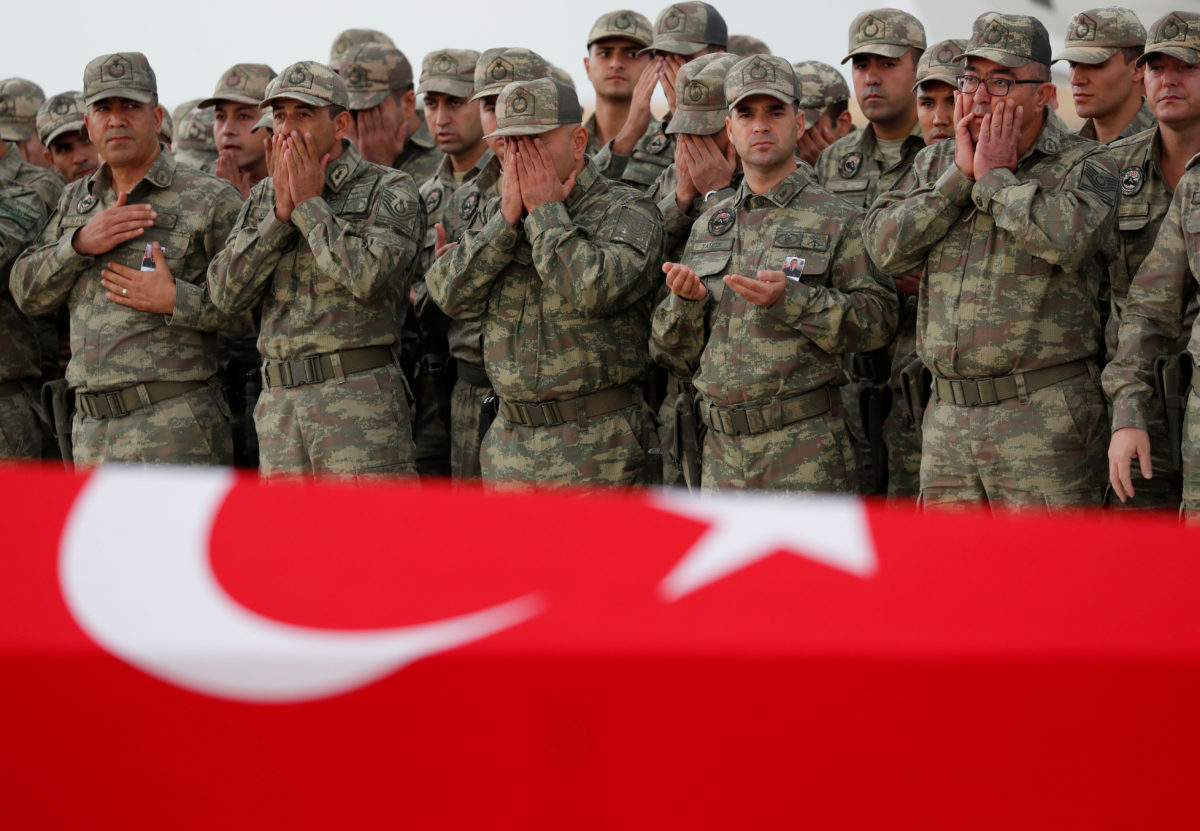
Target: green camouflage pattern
{"points": [[313, 83], [820, 86], [436, 194], [20, 101], [652, 154], [44, 182], [61, 113], [497, 68], [623, 24], [119, 75], [420, 157], [677, 224], [194, 143], [700, 107], [940, 63], [530, 108], [855, 168], [761, 75], [1010, 40], [22, 214], [887, 32], [1142, 121], [746, 45], [371, 72], [465, 402], [1176, 34], [351, 38], [449, 71], [1095, 35], [686, 28], [242, 83]]}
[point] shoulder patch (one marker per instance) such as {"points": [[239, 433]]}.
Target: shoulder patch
{"points": [[1132, 180], [433, 199], [22, 213], [633, 229], [467, 209], [1095, 179], [849, 164], [720, 222], [398, 212]]}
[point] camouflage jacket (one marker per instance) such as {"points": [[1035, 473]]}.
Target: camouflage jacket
{"points": [[1013, 262], [677, 223], [565, 297], [1154, 320], [21, 217], [46, 183], [1143, 120], [738, 352], [436, 193], [853, 166], [336, 276], [652, 153], [114, 346], [420, 157]]}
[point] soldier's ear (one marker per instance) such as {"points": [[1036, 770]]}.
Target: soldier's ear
{"points": [[408, 103], [844, 122], [800, 125], [579, 140], [341, 124]]}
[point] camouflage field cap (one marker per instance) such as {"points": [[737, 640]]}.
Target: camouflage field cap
{"points": [[166, 129], [761, 75], [939, 63], [497, 68], [1095, 36], [350, 38], [624, 24], [62, 113], [700, 108], [1178, 35], [122, 75], [686, 28], [195, 132], [820, 86], [181, 110], [449, 71], [746, 45], [372, 70], [529, 108], [19, 103], [243, 83], [309, 82], [887, 32], [562, 76], [1010, 40]]}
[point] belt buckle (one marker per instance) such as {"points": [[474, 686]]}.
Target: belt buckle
{"points": [[115, 405], [88, 404], [285, 373], [978, 392], [312, 370]]}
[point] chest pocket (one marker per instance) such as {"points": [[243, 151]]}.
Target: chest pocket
{"points": [[1133, 216], [709, 258], [810, 246]]}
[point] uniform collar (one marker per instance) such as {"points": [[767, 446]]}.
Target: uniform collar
{"points": [[1053, 137], [342, 170], [868, 141], [784, 191], [160, 174], [584, 181]]}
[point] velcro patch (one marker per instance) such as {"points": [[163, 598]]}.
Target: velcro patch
{"points": [[396, 212], [1095, 179], [718, 244], [633, 229], [802, 239], [22, 213]]}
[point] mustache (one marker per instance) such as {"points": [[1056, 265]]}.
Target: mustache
{"points": [[873, 90]]}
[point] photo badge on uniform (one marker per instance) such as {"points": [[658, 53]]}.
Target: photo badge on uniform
{"points": [[1132, 180], [433, 199], [720, 222], [468, 205], [849, 165], [85, 204]]}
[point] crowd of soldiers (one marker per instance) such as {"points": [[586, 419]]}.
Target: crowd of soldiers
{"points": [[314, 272]]}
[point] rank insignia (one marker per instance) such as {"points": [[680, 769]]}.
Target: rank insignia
{"points": [[1132, 180], [433, 199], [660, 141], [849, 165], [720, 222], [468, 205], [85, 204]]}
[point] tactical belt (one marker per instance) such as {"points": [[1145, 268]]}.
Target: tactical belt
{"points": [[473, 374], [550, 413], [982, 392], [748, 421], [124, 401], [318, 368]]}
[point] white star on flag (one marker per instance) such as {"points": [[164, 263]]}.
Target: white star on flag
{"points": [[745, 528]]}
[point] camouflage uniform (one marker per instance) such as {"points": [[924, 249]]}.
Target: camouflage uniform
{"points": [[333, 285], [46, 183], [821, 86], [565, 302], [194, 144], [1008, 308], [19, 102], [623, 24], [746, 45], [21, 216]]}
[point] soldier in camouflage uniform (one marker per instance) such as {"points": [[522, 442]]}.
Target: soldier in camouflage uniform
{"points": [[241, 155], [143, 355], [60, 128], [1102, 49], [1013, 222], [21, 217], [194, 144], [825, 100], [774, 286], [614, 64], [19, 103], [562, 276], [1152, 164], [936, 86], [326, 246]]}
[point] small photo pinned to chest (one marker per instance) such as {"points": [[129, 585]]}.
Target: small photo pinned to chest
{"points": [[793, 267]]}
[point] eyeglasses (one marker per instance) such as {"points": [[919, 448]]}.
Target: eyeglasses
{"points": [[998, 87]]}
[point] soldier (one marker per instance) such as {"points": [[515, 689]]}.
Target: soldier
{"points": [[935, 86], [743, 46], [351, 38], [614, 64], [1102, 50], [325, 246], [1013, 222], [17, 95], [825, 100], [774, 286], [194, 144], [21, 216], [142, 339], [561, 275], [60, 128], [385, 126], [19, 103], [1152, 164], [241, 155]]}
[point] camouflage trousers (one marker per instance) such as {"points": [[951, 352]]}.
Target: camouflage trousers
{"points": [[465, 402], [1046, 452], [1164, 491], [611, 449], [189, 429], [1191, 460], [672, 467], [807, 456], [20, 430], [359, 426]]}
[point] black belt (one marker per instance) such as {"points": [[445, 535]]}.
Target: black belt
{"points": [[982, 392], [318, 368], [746, 421], [473, 374], [550, 413], [124, 401]]}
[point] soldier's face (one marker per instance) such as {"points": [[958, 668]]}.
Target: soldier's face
{"points": [[294, 117], [233, 132], [1031, 97], [1100, 89], [884, 86], [73, 155], [1173, 90], [614, 66], [487, 121], [454, 123], [124, 132], [935, 110], [764, 130], [566, 144]]}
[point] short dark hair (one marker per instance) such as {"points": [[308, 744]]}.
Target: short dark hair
{"points": [[836, 109], [335, 110], [1132, 53]]}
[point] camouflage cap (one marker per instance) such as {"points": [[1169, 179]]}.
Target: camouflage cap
{"points": [[528, 108], [1010, 40], [19, 103], [166, 130], [700, 107], [887, 32], [242, 83], [449, 71], [939, 62], [267, 122], [761, 75], [497, 68], [1095, 36], [623, 24], [62, 113], [195, 132], [350, 38], [820, 86], [562, 76], [686, 28], [181, 110], [121, 75], [309, 82], [372, 70], [746, 45], [1178, 35]]}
